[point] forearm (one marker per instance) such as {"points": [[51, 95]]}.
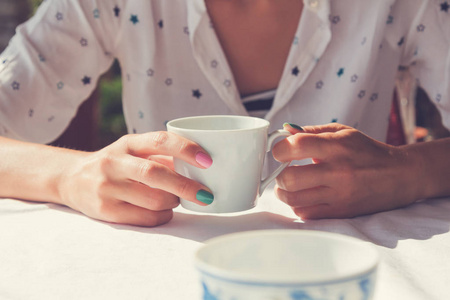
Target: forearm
{"points": [[433, 172], [32, 171]]}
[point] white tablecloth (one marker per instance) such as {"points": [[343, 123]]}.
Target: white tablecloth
{"points": [[52, 252]]}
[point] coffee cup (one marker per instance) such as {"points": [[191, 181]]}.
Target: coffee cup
{"points": [[237, 146], [287, 265]]}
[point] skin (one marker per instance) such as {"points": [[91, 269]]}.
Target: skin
{"points": [[256, 36], [130, 181], [353, 174]]}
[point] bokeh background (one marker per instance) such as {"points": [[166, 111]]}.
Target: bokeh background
{"points": [[100, 119]]}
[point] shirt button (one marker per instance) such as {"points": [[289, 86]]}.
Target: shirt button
{"points": [[313, 3]]}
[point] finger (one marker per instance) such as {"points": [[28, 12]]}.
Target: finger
{"points": [[319, 211], [292, 128], [296, 178], [158, 176], [144, 196], [169, 144], [303, 145], [126, 213], [304, 198], [330, 127], [165, 160], [325, 211]]}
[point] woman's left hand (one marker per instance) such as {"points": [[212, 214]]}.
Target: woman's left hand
{"points": [[351, 174]]}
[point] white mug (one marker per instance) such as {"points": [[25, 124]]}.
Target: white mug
{"points": [[237, 146]]}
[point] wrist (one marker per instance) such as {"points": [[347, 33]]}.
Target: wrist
{"points": [[414, 172], [63, 181], [430, 168]]}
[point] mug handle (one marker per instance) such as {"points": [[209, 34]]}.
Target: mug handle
{"points": [[271, 138]]}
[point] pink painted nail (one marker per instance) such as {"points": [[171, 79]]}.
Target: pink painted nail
{"points": [[203, 159]]}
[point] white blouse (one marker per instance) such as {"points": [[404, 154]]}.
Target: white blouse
{"points": [[342, 65]]}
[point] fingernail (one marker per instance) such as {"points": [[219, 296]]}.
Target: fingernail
{"points": [[203, 159], [205, 197], [293, 126]]}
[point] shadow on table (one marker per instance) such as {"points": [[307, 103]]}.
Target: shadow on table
{"points": [[420, 221], [203, 227]]}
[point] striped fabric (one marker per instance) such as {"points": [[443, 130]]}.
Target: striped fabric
{"points": [[257, 105]]}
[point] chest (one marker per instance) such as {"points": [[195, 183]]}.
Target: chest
{"points": [[256, 37]]}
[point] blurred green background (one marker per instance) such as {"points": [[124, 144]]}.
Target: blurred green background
{"points": [[112, 123]]}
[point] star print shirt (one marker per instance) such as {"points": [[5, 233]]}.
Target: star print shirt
{"points": [[342, 64]]}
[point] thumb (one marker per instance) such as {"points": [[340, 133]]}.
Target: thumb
{"points": [[292, 128], [315, 129]]}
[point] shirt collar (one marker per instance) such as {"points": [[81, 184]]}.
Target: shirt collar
{"points": [[311, 39], [203, 42], [320, 7], [196, 9]]}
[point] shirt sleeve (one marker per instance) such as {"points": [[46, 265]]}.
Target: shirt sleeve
{"points": [[52, 65], [428, 53]]}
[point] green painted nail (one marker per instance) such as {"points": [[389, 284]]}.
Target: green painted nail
{"points": [[205, 197], [294, 126]]}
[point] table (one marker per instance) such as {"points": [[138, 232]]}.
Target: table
{"points": [[49, 251]]}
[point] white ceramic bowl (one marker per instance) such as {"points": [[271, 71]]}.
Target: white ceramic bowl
{"points": [[287, 264]]}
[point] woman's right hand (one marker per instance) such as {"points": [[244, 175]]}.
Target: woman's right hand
{"points": [[129, 181]]}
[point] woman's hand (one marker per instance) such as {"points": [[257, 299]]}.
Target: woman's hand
{"points": [[351, 174], [132, 180]]}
